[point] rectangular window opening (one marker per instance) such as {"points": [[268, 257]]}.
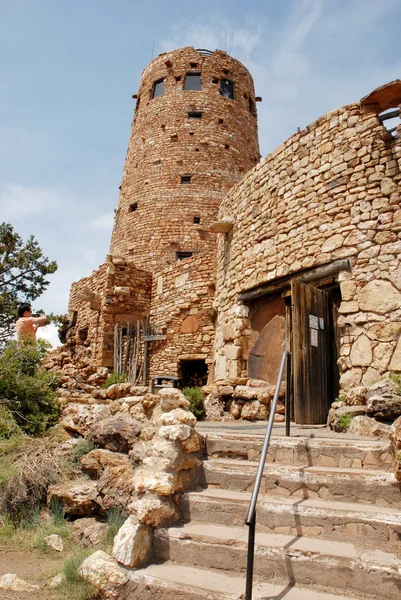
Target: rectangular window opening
{"points": [[215, 80], [133, 207], [197, 220], [178, 78], [193, 82], [183, 255], [186, 179], [227, 89], [194, 115], [174, 137], [226, 146], [193, 65], [158, 88], [221, 121]]}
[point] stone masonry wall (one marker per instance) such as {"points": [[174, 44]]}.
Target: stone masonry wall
{"points": [[121, 295], [182, 305], [330, 191]]}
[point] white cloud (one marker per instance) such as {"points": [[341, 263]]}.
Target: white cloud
{"points": [[49, 333], [23, 201]]}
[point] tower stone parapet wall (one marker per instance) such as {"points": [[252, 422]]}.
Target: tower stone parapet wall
{"points": [[331, 191], [199, 134]]}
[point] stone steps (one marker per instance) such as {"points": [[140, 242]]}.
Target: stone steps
{"points": [[282, 559], [303, 451], [180, 582], [312, 517], [329, 483]]}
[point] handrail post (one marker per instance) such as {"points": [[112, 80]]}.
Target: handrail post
{"points": [[250, 557], [251, 516], [288, 397]]}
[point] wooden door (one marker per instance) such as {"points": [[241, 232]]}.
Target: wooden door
{"points": [[311, 346]]}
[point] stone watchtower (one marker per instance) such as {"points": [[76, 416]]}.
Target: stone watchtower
{"points": [[194, 135]]}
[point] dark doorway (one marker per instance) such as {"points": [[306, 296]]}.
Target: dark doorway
{"points": [[193, 373]]}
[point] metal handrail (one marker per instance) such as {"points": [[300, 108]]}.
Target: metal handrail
{"points": [[251, 516]]}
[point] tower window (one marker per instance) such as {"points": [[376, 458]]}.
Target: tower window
{"points": [[193, 65], [251, 106], [221, 121], [183, 255], [227, 88], [193, 82], [186, 179], [196, 220], [226, 146], [174, 137], [158, 88], [215, 80], [178, 78], [133, 207], [194, 115]]}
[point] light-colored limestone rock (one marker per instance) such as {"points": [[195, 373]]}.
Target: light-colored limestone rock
{"points": [[104, 573], [364, 425], [254, 411], [159, 482], [54, 542], [154, 510], [213, 407], [350, 377], [356, 396], [361, 352], [192, 444], [80, 417], [178, 417], [171, 398], [89, 532], [11, 582], [395, 363], [78, 498], [175, 432], [133, 543], [56, 581], [379, 296]]}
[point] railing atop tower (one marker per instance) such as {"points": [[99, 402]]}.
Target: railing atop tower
{"points": [[204, 52]]}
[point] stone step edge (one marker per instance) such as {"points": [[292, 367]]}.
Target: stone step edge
{"points": [[226, 585], [221, 535], [275, 469], [301, 440], [370, 512]]}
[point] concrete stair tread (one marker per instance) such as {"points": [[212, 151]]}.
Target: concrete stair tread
{"points": [[222, 534], [293, 442], [369, 511], [247, 465], [226, 586]]}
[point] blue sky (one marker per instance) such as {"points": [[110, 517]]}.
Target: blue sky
{"points": [[68, 69]]}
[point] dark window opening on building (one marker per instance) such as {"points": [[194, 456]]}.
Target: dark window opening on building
{"points": [[193, 65], [221, 121], [245, 96], [227, 88], [178, 78], [251, 106], [186, 179], [158, 88], [196, 220], [83, 334], [226, 71], [215, 80], [391, 120], [226, 146], [194, 115], [174, 137], [183, 255], [193, 82], [133, 207], [196, 149], [193, 373], [191, 133]]}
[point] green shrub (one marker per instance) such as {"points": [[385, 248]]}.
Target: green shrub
{"points": [[26, 391], [195, 397], [114, 378], [8, 426], [344, 422]]}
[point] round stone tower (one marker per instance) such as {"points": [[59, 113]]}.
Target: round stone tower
{"points": [[194, 135]]}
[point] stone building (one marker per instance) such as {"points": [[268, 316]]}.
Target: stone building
{"points": [[194, 135], [310, 260]]}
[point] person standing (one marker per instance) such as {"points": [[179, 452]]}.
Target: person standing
{"points": [[27, 325]]}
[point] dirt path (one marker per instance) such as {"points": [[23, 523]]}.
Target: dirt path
{"points": [[31, 568]]}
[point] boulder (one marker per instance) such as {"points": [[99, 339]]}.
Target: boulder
{"points": [[213, 407], [356, 395], [175, 432], [89, 532], [78, 498], [148, 479], [192, 444], [116, 486], [154, 510], [384, 407], [11, 582], [234, 407], [362, 425], [118, 390], [338, 419], [133, 543], [117, 433], [385, 387], [254, 411], [171, 398], [79, 418], [178, 416], [104, 573], [54, 542], [96, 461]]}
